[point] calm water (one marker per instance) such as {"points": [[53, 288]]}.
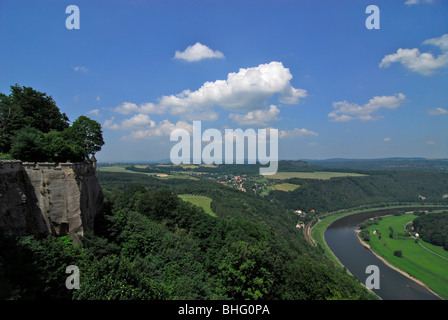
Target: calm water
{"points": [[343, 241]]}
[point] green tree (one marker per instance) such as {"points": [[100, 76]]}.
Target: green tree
{"points": [[242, 273], [27, 145], [26, 107], [58, 147], [87, 134]]}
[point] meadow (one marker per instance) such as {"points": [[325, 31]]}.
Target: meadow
{"points": [[122, 169], [281, 187], [423, 261], [320, 175], [200, 201]]}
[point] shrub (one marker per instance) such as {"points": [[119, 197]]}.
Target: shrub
{"points": [[398, 253]]}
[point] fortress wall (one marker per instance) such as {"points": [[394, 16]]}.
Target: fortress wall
{"points": [[48, 198]]}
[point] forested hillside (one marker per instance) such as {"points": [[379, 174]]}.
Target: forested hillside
{"points": [[433, 228], [376, 188], [149, 244]]}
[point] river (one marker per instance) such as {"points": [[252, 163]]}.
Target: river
{"points": [[343, 241]]}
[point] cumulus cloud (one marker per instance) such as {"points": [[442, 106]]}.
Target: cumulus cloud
{"points": [[137, 121], [413, 2], [386, 139], [110, 124], [424, 63], [257, 117], [198, 52], [164, 128], [129, 107], [94, 112], [346, 111], [296, 132], [247, 90], [437, 111]]}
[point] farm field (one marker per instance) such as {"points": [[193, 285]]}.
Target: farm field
{"points": [[286, 186], [280, 186], [429, 267], [322, 175], [200, 201], [122, 169]]}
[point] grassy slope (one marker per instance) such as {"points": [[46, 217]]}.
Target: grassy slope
{"points": [[200, 201]]}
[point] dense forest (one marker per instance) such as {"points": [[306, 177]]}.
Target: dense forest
{"points": [[433, 228], [376, 188], [149, 244]]}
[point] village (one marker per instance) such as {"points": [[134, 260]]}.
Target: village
{"points": [[303, 216]]}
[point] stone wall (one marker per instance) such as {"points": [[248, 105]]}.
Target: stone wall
{"points": [[48, 198]]}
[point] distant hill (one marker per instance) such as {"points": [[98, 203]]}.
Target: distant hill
{"points": [[436, 165]]}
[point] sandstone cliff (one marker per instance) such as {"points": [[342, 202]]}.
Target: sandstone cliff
{"points": [[48, 198]]}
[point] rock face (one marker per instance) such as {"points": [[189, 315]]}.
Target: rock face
{"points": [[48, 198]]}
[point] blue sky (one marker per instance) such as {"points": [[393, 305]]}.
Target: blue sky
{"points": [[310, 69]]}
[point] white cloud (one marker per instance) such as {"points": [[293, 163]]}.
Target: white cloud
{"points": [[437, 111], [109, 124], [95, 112], [129, 107], [164, 128], [430, 142], [137, 121], [424, 63], [296, 132], [198, 52], [81, 69], [413, 2], [386, 139], [247, 89], [441, 42], [346, 111], [257, 117]]}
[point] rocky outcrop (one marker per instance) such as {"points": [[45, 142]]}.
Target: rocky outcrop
{"points": [[48, 198]]}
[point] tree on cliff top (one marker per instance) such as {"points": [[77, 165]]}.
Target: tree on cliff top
{"points": [[26, 107], [88, 135], [32, 128]]}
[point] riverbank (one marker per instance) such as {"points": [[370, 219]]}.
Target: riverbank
{"points": [[352, 257], [366, 245]]}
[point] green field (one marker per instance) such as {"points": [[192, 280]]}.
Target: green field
{"points": [[280, 186], [429, 267], [286, 186], [200, 201], [122, 169], [321, 175]]}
